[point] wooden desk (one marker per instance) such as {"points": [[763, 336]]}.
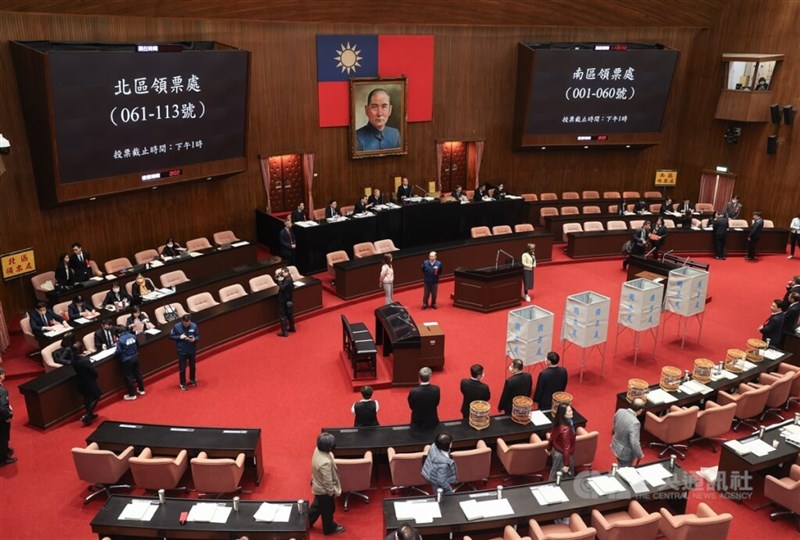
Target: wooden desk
{"points": [[488, 289], [359, 277], [53, 397], [396, 330], [535, 207], [217, 442], [165, 522], [582, 500], [431, 345]]}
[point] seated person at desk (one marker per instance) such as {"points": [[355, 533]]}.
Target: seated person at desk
{"points": [[375, 198], [439, 468], [172, 248], [65, 354], [684, 207], [666, 207], [65, 275], [424, 401], [138, 321], [141, 287], [459, 195], [81, 308], [500, 192], [361, 205], [44, 319], [519, 383], [366, 410], [332, 210], [104, 338], [403, 190], [117, 297], [481, 194], [79, 262], [640, 207], [404, 532], [299, 213]]}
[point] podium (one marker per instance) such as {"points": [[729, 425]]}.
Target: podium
{"points": [[488, 289], [411, 345]]}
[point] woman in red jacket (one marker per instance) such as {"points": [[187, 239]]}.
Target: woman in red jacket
{"points": [[561, 446]]}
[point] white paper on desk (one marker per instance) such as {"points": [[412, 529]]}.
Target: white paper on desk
{"points": [[760, 448], [634, 479], [656, 470], [59, 330], [747, 366], [790, 430], [202, 512], [392, 205], [694, 387], [81, 320], [155, 263], [495, 507], [110, 277], [606, 485], [152, 331], [422, 511], [137, 511], [240, 243], [277, 513], [772, 354], [659, 396], [549, 494], [195, 254], [99, 355], [724, 374], [738, 447], [539, 419], [221, 514], [98, 278], [738, 229], [471, 509]]}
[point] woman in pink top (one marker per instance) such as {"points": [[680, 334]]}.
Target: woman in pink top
{"points": [[387, 277]]}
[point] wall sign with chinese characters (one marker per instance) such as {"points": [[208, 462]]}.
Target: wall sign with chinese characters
{"points": [[18, 263]]}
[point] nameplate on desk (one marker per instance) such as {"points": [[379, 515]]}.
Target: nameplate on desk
{"points": [[452, 423], [240, 244], [186, 429], [772, 354], [400, 428], [234, 431], [430, 324], [194, 254], [129, 426], [351, 430], [485, 494], [152, 331]]}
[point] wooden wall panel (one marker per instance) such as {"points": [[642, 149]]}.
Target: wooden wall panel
{"points": [[473, 100]]}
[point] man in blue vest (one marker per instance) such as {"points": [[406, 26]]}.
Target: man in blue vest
{"points": [[186, 336], [128, 355]]}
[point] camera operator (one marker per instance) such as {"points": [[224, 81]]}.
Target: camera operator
{"points": [[285, 303]]}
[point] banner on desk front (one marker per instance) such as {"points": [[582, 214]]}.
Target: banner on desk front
{"points": [[18, 263], [666, 178]]}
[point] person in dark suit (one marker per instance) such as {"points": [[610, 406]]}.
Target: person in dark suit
{"points": [[473, 389], [685, 207], [666, 207], [552, 379], [404, 532], [172, 248], [104, 337], [518, 384], [361, 205], [481, 194], [499, 192], [733, 208], [86, 379], [332, 210], [65, 275], [299, 213], [791, 316], [753, 236], [117, 296], [65, 354], [81, 308], [287, 241], [79, 262], [772, 329], [375, 198], [44, 319], [366, 410], [403, 190], [658, 236], [792, 286], [640, 206], [720, 228], [285, 301], [141, 287], [424, 401]]}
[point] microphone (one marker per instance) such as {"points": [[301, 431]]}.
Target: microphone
{"points": [[424, 193], [497, 258]]}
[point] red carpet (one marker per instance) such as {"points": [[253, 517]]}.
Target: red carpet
{"points": [[292, 387]]}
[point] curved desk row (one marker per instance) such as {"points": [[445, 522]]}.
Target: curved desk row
{"points": [[555, 224], [535, 207], [53, 397], [582, 245], [359, 277]]}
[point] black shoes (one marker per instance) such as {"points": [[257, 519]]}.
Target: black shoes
{"points": [[292, 330], [434, 306], [338, 530], [9, 460], [283, 334], [424, 306], [193, 384]]}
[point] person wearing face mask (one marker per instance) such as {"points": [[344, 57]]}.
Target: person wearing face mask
{"points": [[141, 287], [117, 297], [519, 383], [65, 275], [439, 468], [171, 248], [561, 445], [81, 308]]}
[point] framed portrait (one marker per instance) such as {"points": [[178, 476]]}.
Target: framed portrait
{"points": [[377, 117]]}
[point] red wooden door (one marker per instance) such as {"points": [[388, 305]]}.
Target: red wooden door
{"points": [[454, 165], [286, 182]]}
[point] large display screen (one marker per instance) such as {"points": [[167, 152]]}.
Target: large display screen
{"points": [[579, 94]]}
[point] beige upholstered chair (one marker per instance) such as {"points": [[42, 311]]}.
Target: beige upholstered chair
{"points": [[364, 249], [88, 343], [62, 309], [570, 195], [171, 279], [593, 226], [200, 301], [217, 476], [47, 356], [794, 392], [319, 214], [546, 211], [652, 195], [101, 468], [479, 232], [738, 223], [631, 195], [704, 524], [159, 312], [780, 385], [613, 208], [714, 421], [530, 197], [569, 211], [154, 473], [548, 197], [95, 270], [406, 470], [570, 227], [224, 237], [356, 477], [385, 246], [115, 265], [636, 223], [146, 256], [750, 403], [501, 229], [785, 492], [616, 225], [591, 209], [585, 447], [231, 292], [472, 465], [674, 427], [590, 194], [27, 333], [635, 522], [198, 244], [769, 224], [39, 280], [259, 283], [523, 227], [347, 210], [654, 208], [508, 534], [669, 224], [296, 275], [611, 195], [129, 287], [523, 458], [575, 530], [98, 299], [335, 257], [703, 207]]}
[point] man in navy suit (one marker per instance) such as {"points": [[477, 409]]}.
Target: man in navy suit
{"points": [[791, 315], [332, 210], [424, 402], [518, 384], [473, 389], [288, 245], [552, 379], [44, 319], [772, 329], [79, 262], [753, 235]]}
